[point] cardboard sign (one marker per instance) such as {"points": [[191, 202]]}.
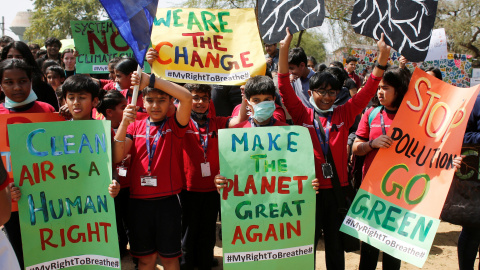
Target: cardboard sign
{"points": [[18, 118], [438, 46], [97, 43], [275, 16], [207, 46], [268, 204], [398, 205], [407, 25], [67, 217]]}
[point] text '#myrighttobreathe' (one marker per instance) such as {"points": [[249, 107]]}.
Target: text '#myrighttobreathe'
{"points": [[385, 238], [77, 261], [265, 255], [207, 77]]}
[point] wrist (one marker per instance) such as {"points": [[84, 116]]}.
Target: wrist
{"points": [[370, 143]]}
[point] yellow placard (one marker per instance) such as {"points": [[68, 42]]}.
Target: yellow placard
{"points": [[207, 46]]}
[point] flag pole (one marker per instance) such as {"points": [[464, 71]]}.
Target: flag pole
{"points": [[135, 88]]}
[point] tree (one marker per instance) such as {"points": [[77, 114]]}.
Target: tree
{"points": [[460, 18], [312, 44], [51, 18]]}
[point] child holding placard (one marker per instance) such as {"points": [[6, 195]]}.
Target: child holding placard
{"points": [[156, 168], [16, 84], [329, 130]]}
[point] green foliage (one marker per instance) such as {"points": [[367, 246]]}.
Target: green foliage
{"points": [[460, 18], [312, 44], [51, 18]]}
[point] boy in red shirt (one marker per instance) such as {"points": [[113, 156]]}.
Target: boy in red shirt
{"points": [[156, 172], [200, 200], [335, 123]]}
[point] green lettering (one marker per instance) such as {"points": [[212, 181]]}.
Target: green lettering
{"points": [[222, 23], [247, 214], [390, 218], [192, 20]]}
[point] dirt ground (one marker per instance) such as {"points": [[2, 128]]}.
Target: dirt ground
{"points": [[443, 254]]}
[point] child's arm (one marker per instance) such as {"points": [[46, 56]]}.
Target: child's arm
{"points": [[242, 115], [292, 102], [122, 144], [114, 188], [183, 95]]}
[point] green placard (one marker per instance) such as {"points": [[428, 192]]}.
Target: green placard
{"points": [[67, 217], [268, 204], [97, 42]]}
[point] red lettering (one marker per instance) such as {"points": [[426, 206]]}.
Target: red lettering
{"points": [[44, 241], [238, 235], [283, 188], [290, 228], [216, 43], [213, 59], [105, 225], [25, 174], [62, 236], [79, 236], [196, 59], [36, 173], [48, 171], [227, 188], [255, 235], [250, 185], [90, 232], [270, 187], [194, 37], [207, 42], [236, 192], [271, 232], [245, 59], [93, 38], [300, 183]]}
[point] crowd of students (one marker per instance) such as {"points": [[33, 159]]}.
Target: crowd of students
{"points": [[165, 147]]}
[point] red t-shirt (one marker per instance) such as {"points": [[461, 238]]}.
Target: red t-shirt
{"points": [[278, 114], [248, 124], [34, 107], [367, 133], [109, 86], [193, 154], [141, 113], [355, 78], [342, 119], [166, 162]]}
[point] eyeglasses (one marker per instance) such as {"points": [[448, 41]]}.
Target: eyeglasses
{"points": [[198, 99], [331, 93]]}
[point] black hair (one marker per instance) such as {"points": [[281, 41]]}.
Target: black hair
{"points": [[32, 46], [80, 83], [126, 65], [53, 41], [314, 61], [48, 63], [57, 69], [324, 79], [351, 59], [23, 49], [6, 39], [109, 100], [399, 80], [15, 64], [296, 56], [149, 89], [436, 71], [41, 52], [339, 73], [320, 67], [200, 88], [59, 93], [259, 85], [114, 60], [337, 64]]}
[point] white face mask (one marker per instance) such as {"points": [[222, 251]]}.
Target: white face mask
{"points": [[263, 111], [318, 109], [9, 104]]}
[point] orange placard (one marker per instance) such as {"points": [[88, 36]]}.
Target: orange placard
{"points": [[19, 118], [415, 173]]}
